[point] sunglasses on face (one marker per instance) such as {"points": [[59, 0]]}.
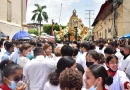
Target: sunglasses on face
{"points": [[17, 78]]}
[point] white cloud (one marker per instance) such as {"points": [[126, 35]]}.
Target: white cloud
{"points": [[54, 7]]}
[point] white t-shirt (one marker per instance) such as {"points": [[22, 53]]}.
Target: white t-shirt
{"points": [[36, 72], [14, 56], [100, 51], [56, 59], [49, 86], [82, 60], [22, 61], [119, 55]]}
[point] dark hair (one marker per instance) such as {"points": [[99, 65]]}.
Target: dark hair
{"points": [[24, 46], [32, 43], [1, 43], [10, 69], [122, 45], [70, 79], [99, 71], [75, 51], [39, 44], [66, 42], [8, 45], [94, 55], [80, 68], [54, 78], [102, 58], [5, 43], [113, 43], [101, 40], [38, 51], [108, 50], [67, 50], [128, 41], [91, 46], [5, 63], [18, 43], [63, 63], [75, 42], [85, 45], [108, 59]]}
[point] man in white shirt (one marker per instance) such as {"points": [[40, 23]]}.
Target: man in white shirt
{"points": [[101, 44], [114, 46], [82, 58], [126, 59], [36, 71]]}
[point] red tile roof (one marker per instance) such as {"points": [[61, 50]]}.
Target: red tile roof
{"points": [[105, 10]]}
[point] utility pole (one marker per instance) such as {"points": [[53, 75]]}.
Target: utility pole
{"points": [[90, 21], [115, 7], [89, 13], [60, 13]]}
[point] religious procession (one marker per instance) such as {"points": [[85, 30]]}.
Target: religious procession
{"points": [[49, 45]]}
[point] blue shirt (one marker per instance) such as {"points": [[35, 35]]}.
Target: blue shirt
{"points": [[6, 56]]}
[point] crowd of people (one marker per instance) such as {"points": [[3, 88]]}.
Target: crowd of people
{"points": [[99, 65]]}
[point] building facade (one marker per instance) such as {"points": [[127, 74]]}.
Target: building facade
{"points": [[104, 22], [12, 16]]}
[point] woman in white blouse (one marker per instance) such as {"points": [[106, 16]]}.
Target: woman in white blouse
{"points": [[24, 50]]}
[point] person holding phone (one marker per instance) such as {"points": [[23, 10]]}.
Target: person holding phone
{"points": [[12, 78]]}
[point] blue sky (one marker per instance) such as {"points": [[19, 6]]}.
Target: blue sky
{"points": [[54, 7]]}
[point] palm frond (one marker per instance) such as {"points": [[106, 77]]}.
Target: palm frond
{"points": [[34, 17], [35, 11], [45, 16], [39, 14], [39, 18], [44, 7], [37, 5]]}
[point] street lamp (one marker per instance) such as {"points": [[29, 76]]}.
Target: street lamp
{"points": [[76, 29]]}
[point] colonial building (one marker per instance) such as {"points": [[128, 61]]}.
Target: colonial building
{"points": [[12, 16], [104, 22]]}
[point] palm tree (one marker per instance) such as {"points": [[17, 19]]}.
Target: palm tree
{"points": [[39, 15]]}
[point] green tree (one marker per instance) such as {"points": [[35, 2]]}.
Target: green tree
{"points": [[47, 28], [33, 32], [39, 15]]}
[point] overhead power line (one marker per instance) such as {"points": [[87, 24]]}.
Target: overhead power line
{"points": [[89, 17]]}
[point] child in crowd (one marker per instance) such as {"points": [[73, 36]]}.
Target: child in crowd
{"points": [[120, 80], [97, 78], [12, 76]]}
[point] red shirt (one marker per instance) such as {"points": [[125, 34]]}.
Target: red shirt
{"points": [[104, 89], [4, 87]]}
